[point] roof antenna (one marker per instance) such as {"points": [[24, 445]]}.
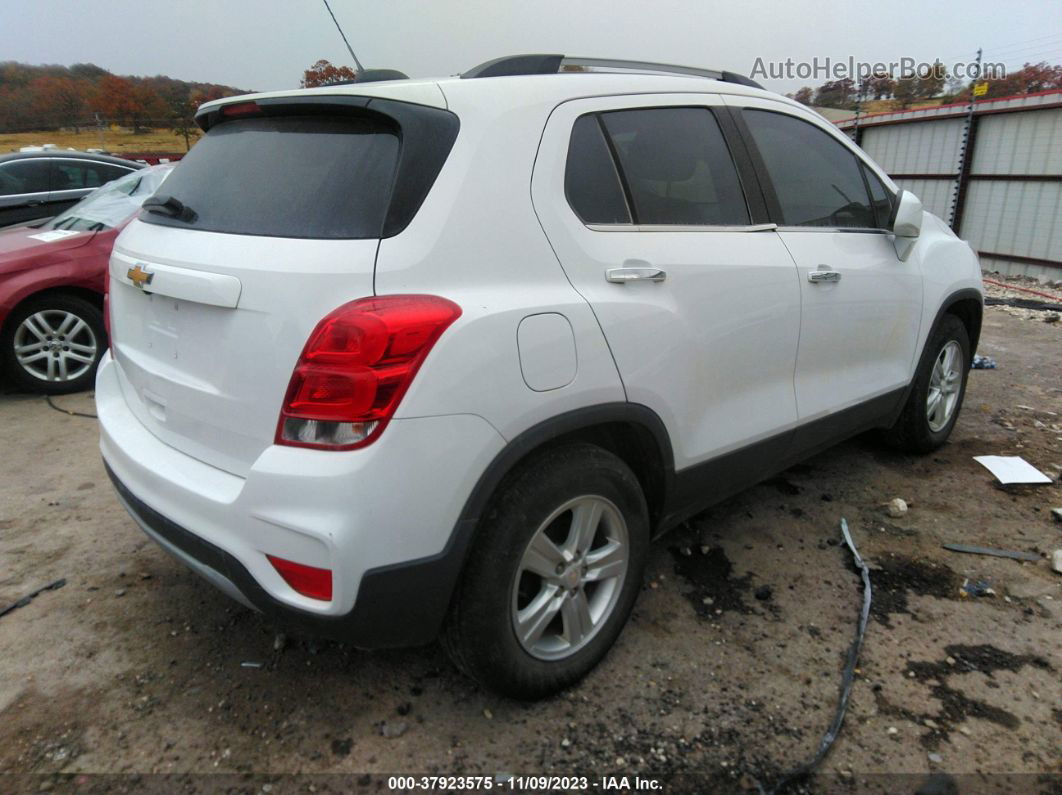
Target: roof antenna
{"points": [[357, 63]]}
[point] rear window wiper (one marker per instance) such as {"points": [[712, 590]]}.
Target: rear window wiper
{"points": [[171, 206]]}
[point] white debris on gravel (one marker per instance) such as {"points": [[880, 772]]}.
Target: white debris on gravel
{"points": [[897, 508], [1050, 294], [1056, 560]]}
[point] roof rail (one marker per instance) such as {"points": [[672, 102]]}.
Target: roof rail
{"points": [[539, 64]]}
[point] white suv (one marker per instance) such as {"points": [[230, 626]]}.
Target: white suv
{"points": [[439, 357]]}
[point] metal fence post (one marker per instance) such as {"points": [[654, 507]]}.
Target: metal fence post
{"points": [[966, 150]]}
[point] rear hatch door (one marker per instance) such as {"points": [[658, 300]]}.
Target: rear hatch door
{"points": [[267, 225]]}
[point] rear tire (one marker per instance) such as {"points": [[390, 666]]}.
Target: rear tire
{"points": [[938, 390], [53, 344], [553, 574]]}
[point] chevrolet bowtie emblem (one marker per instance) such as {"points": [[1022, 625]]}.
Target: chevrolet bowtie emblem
{"points": [[139, 276]]}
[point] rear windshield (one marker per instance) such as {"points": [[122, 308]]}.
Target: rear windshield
{"points": [[311, 177]]}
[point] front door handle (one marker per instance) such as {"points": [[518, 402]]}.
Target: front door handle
{"points": [[624, 275], [818, 277]]}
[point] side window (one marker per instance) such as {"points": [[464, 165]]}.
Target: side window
{"points": [[590, 179], [880, 198], [816, 178], [677, 167], [24, 176], [102, 173], [68, 175]]}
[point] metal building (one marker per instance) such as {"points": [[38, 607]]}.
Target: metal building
{"points": [[1004, 196]]}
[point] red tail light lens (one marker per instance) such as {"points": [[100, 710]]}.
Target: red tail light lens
{"points": [[356, 366], [308, 580]]}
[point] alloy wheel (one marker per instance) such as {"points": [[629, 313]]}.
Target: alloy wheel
{"points": [[55, 345], [945, 381], [570, 577]]}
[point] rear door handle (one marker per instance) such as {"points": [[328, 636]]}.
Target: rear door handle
{"points": [[818, 277], [624, 275]]}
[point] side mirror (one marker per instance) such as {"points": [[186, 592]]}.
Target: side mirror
{"points": [[906, 223]]}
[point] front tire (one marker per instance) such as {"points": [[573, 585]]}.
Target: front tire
{"points": [[53, 344], [553, 574], [938, 390]]}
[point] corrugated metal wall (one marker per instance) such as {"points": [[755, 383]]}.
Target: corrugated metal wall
{"points": [[931, 148], [1019, 143], [1017, 219]]}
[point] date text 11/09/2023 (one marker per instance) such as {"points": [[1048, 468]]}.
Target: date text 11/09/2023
{"points": [[510, 783]]}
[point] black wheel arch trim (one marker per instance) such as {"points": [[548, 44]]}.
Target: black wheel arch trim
{"points": [[965, 294]]}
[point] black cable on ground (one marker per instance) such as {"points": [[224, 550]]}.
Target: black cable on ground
{"points": [[1024, 303], [847, 679], [25, 600], [71, 412]]}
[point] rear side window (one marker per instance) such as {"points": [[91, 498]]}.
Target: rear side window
{"points": [[590, 179], [72, 175], [816, 178], [677, 167], [24, 176], [288, 176]]}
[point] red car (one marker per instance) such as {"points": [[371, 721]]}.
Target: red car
{"points": [[52, 281]]}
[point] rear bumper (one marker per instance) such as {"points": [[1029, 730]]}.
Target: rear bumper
{"points": [[385, 519]]}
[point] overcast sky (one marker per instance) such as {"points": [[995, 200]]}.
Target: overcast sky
{"points": [[266, 44]]}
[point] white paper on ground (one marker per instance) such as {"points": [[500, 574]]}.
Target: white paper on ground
{"points": [[1012, 469]]}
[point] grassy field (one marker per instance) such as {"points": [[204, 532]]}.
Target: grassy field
{"points": [[113, 140]]}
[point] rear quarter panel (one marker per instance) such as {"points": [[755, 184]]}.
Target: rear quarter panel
{"points": [[477, 241]]}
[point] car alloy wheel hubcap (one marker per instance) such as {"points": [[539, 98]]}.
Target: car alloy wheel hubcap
{"points": [[944, 384], [55, 345], [570, 577]]}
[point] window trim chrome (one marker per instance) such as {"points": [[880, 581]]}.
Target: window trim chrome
{"points": [[680, 228]]}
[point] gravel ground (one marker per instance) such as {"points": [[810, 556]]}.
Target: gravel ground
{"points": [[725, 678]]}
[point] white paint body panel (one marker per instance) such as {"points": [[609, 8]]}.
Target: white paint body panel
{"points": [[188, 406], [710, 349], [299, 504], [548, 359], [206, 359]]}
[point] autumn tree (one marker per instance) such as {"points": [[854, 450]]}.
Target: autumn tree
{"points": [[836, 94], [323, 73], [932, 83], [57, 102], [113, 98], [879, 85], [1027, 80], [804, 95], [50, 96]]}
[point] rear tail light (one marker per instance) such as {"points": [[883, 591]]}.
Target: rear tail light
{"points": [[308, 580], [355, 368]]}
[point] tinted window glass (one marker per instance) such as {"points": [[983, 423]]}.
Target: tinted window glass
{"points": [[816, 178], [312, 177], [880, 197], [68, 176], [24, 176], [677, 166], [590, 178]]}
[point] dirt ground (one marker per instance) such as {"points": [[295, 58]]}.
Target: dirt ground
{"points": [[725, 678]]}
